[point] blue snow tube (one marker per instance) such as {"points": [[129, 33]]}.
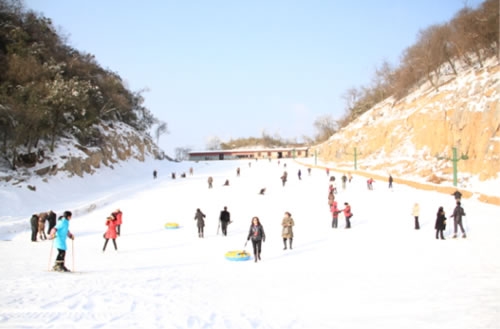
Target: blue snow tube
{"points": [[171, 226], [237, 255]]}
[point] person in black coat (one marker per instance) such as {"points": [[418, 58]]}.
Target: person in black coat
{"points": [[256, 233], [34, 227], [225, 218], [440, 223], [51, 219]]}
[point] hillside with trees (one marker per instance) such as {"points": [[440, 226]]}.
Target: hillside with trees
{"points": [[470, 37], [49, 90]]}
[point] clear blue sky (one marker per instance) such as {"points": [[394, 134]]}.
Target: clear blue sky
{"points": [[236, 68]]}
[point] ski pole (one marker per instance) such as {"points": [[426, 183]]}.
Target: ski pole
{"points": [[73, 254], [50, 255]]}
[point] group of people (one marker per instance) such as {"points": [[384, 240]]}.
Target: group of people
{"points": [[59, 232], [457, 215], [38, 221], [256, 232]]}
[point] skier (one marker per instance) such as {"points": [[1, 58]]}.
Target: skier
{"points": [[440, 225], [416, 212], [344, 181], [210, 181], [111, 232], [60, 233], [299, 174], [199, 217], [287, 232], [225, 219], [155, 173], [335, 214], [256, 233], [238, 172], [458, 212], [390, 181]]}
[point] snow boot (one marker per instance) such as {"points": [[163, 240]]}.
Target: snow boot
{"points": [[284, 243], [59, 266], [291, 244], [464, 236], [255, 257]]}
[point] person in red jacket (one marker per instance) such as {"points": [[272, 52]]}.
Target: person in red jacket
{"points": [[347, 214], [335, 214], [118, 215], [111, 233]]}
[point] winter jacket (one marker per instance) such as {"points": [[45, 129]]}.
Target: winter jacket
{"points": [[440, 221], [347, 211], [199, 217], [111, 231], [458, 212], [287, 224], [62, 232], [334, 209], [118, 215], [225, 216], [34, 222], [256, 233], [416, 210]]}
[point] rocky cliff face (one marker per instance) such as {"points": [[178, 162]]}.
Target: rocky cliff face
{"points": [[416, 135], [116, 142]]}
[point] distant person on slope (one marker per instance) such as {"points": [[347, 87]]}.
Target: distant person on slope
{"points": [[335, 214], [225, 219], [60, 233], [256, 233], [51, 218], [200, 222], [287, 232], [347, 214], [210, 181], [457, 215], [457, 195], [111, 232], [416, 212], [119, 217], [34, 227], [440, 225]]}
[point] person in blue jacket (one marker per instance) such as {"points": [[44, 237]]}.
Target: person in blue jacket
{"points": [[60, 233]]}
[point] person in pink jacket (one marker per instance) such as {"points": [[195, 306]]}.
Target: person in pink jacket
{"points": [[111, 233], [335, 214], [347, 214], [118, 215]]}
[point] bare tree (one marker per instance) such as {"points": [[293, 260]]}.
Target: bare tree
{"points": [[213, 143], [182, 153], [160, 130], [325, 126]]}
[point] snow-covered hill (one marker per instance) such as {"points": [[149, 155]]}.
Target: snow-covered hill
{"points": [[413, 138]]}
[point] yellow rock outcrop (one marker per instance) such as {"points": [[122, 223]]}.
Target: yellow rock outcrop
{"points": [[415, 136]]}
